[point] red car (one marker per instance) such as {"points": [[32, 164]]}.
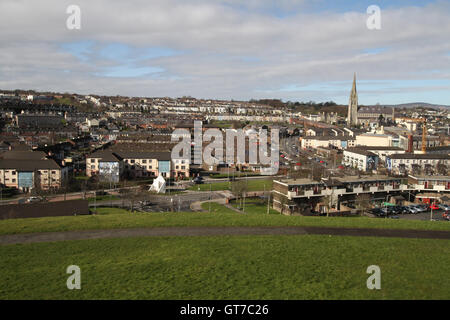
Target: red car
{"points": [[434, 207]]}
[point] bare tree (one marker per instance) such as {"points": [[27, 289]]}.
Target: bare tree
{"points": [[328, 203], [283, 202], [239, 188], [363, 202]]}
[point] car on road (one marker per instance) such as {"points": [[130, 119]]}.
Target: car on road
{"points": [[198, 180], [33, 199]]}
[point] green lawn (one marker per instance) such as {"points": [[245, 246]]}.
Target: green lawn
{"points": [[254, 206], [118, 218], [253, 185], [233, 267]]}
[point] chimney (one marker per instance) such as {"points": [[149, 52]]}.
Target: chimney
{"points": [[410, 143]]}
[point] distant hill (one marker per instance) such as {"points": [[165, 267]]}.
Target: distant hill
{"points": [[419, 105]]}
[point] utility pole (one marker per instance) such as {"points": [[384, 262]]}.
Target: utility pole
{"points": [[268, 203], [431, 213], [209, 202]]}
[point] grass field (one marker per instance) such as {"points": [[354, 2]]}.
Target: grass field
{"points": [[253, 185], [254, 206], [110, 218], [238, 267]]}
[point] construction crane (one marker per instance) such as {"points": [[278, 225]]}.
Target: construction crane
{"points": [[424, 132]]}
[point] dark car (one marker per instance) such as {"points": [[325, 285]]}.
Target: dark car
{"points": [[395, 210], [375, 211], [198, 180]]}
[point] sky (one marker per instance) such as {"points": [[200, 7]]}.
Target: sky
{"points": [[294, 50]]}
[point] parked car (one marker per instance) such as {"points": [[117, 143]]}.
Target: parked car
{"points": [[412, 210], [420, 208], [444, 207], [434, 207], [446, 216], [396, 210], [375, 211], [404, 210]]}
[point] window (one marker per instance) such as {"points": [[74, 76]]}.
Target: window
{"points": [[183, 167], [92, 160], [132, 161], [150, 167], [93, 167], [13, 180], [53, 172], [144, 161], [144, 167], [13, 173]]}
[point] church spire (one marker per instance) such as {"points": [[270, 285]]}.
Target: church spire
{"points": [[352, 117]]}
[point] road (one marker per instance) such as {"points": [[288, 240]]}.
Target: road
{"points": [[167, 202]]}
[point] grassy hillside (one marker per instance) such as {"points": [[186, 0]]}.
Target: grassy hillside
{"points": [[238, 267]]}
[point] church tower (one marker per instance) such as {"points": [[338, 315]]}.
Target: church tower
{"points": [[352, 117]]}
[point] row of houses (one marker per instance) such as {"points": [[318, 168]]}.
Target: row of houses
{"points": [[26, 170], [113, 165]]}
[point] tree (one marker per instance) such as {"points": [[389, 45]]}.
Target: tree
{"points": [[380, 120], [283, 202], [239, 188], [441, 168], [328, 203], [363, 202]]}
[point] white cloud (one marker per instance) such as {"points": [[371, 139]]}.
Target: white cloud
{"points": [[214, 37]]}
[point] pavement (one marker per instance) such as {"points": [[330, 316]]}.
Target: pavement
{"points": [[215, 231]]}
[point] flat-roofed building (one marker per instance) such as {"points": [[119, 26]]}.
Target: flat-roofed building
{"points": [[360, 159], [415, 163], [300, 196]]}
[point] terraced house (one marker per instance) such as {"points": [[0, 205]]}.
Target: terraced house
{"points": [[26, 170]]}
